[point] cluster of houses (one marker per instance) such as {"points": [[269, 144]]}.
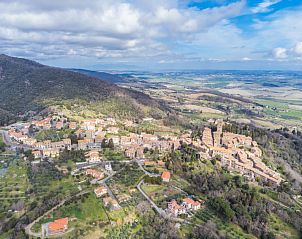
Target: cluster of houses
{"points": [[91, 134], [187, 205], [101, 191], [238, 153]]}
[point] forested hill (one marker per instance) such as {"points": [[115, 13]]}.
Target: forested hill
{"points": [[26, 85]]}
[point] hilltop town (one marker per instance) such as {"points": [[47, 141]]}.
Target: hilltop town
{"points": [[236, 152], [48, 137]]}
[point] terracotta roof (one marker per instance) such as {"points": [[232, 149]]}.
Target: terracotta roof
{"points": [[166, 175], [100, 190], [191, 201], [59, 224]]}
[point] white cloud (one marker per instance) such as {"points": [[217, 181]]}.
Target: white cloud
{"points": [[298, 49], [107, 28], [294, 52], [264, 6], [280, 53]]}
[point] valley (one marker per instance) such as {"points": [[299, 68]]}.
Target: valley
{"points": [[154, 157]]}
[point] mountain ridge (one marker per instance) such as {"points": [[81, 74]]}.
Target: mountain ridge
{"points": [[27, 84]]}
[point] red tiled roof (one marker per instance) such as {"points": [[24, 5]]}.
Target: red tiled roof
{"points": [[166, 175], [59, 224]]}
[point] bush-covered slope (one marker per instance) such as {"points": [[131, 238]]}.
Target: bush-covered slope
{"points": [[26, 85]]}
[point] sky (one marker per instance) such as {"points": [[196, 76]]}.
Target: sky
{"points": [[155, 34]]}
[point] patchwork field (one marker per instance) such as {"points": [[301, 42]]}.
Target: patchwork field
{"points": [[259, 97]]}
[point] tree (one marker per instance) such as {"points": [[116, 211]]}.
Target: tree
{"points": [[206, 231], [222, 207], [104, 144], [110, 144]]}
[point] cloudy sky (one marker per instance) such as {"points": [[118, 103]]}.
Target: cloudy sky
{"points": [[154, 34]]}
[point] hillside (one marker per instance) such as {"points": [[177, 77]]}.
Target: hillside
{"points": [[26, 85]]}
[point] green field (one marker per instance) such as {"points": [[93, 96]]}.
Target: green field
{"points": [[83, 213], [14, 183]]}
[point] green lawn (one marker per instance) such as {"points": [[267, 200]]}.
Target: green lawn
{"points": [[149, 189], [82, 212]]}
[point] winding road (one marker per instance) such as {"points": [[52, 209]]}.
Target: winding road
{"points": [[28, 230]]}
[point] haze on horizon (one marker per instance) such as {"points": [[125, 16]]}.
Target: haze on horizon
{"points": [[157, 34]]}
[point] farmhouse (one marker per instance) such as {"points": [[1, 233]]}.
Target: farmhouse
{"points": [[166, 176], [58, 226]]}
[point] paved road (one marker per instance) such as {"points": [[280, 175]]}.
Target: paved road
{"points": [[159, 210], [138, 161], [29, 226]]}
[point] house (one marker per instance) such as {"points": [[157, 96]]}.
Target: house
{"points": [[115, 140], [83, 144], [108, 167], [130, 152], [88, 124], [89, 134], [29, 141], [109, 201], [112, 130], [72, 125], [175, 209], [58, 226], [94, 173], [53, 153], [45, 123], [67, 141], [190, 204], [114, 204], [59, 125], [93, 156], [100, 191], [37, 154], [166, 176]]}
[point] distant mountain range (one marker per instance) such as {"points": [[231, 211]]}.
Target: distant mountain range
{"points": [[25, 85], [101, 75]]}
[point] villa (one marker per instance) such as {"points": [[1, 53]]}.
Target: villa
{"points": [[57, 227]]}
